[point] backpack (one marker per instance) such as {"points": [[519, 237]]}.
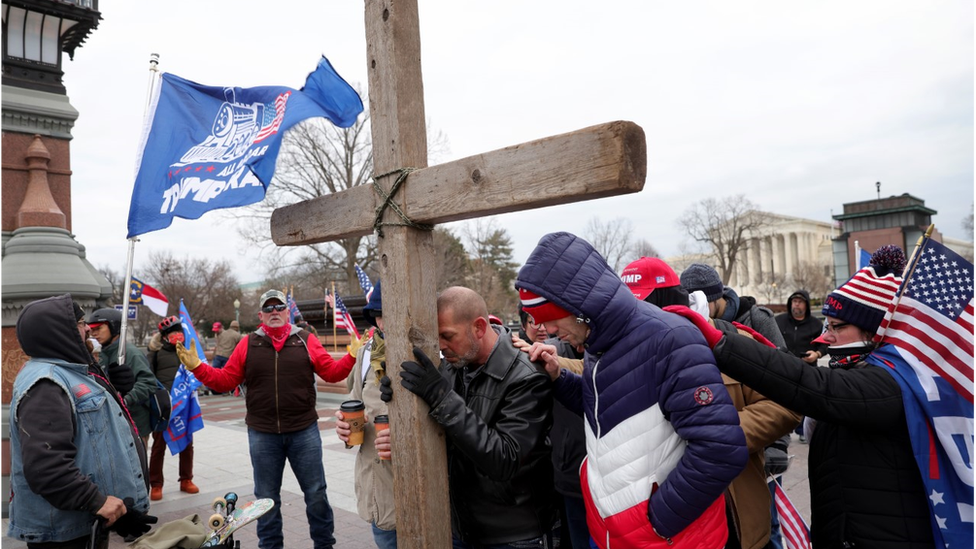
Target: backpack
{"points": [[160, 408], [160, 405]]}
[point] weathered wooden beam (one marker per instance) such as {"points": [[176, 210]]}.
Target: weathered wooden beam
{"points": [[605, 160], [399, 131]]}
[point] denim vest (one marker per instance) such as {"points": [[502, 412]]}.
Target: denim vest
{"points": [[104, 453]]}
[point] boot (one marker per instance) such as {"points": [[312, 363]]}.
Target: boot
{"points": [[187, 486], [156, 493]]}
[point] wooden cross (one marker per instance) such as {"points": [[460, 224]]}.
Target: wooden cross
{"points": [[605, 160]]}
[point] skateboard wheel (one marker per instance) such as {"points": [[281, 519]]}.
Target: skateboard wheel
{"points": [[231, 498], [218, 503], [216, 521]]}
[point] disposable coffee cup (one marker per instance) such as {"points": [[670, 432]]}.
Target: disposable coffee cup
{"points": [[354, 413], [382, 423]]}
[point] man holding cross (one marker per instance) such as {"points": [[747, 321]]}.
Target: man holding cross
{"points": [[496, 409]]}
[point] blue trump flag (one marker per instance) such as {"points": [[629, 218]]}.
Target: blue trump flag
{"points": [[189, 332], [186, 417], [208, 147]]}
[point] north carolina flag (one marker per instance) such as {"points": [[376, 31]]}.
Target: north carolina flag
{"points": [[141, 293]]}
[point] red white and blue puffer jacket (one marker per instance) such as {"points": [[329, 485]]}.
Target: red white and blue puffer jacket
{"points": [[663, 439]]}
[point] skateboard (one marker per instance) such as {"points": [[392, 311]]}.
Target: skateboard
{"points": [[228, 518]]}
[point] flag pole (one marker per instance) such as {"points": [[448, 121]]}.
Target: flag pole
{"points": [[127, 289], [906, 276], [335, 348]]}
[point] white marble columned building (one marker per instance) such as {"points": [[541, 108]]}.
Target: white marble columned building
{"points": [[767, 267]]}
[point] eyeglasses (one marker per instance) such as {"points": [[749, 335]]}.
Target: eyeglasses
{"points": [[279, 307], [536, 326], [835, 328]]}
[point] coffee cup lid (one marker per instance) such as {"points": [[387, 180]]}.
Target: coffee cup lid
{"points": [[352, 406], [381, 419]]}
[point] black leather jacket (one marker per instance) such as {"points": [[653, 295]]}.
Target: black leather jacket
{"points": [[499, 467]]}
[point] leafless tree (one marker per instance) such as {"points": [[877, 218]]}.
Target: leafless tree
{"points": [[724, 227], [770, 289], [318, 158], [641, 248], [967, 224], [208, 288], [611, 239], [117, 280], [813, 277]]}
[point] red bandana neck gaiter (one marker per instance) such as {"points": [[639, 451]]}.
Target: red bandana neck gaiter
{"points": [[277, 335]]}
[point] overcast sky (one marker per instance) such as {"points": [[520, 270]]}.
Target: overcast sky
{"points": [[800, 105]]}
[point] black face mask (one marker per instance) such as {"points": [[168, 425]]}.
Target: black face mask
{"points": [[849, 354]]}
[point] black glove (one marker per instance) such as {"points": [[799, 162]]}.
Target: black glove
{"points": [[122, 377], [133, 523], [423, 379], [386, 387]]}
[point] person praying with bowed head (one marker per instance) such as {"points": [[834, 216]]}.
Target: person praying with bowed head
{"points": [[662, 434]]}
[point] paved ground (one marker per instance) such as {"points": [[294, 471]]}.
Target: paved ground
{"points": [[222, 465]]}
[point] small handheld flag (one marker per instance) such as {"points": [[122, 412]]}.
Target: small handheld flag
{"points": [[929, 334], [190, 333], [343, 319], [364, 282], [791, 523]]}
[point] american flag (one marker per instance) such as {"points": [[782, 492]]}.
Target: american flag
{"points": [[933, 322], [929, 332], [794, 529], [292, 308], [343, 319], [364, 282], [272, 122]]}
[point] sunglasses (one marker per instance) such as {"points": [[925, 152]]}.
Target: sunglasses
{"points": [[270, 308]]}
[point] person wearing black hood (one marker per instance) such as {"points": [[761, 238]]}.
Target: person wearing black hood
{"points": [[71, 438], [800, 328]]}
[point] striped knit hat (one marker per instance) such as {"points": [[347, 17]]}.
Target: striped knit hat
{"points": [[541, 309], [864, 299]]}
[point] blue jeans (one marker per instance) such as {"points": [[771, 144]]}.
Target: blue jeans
{"points": [[579, 534], [541, 542], [303, 450], [385, 539]]}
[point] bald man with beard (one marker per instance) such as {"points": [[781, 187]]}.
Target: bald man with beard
{"points": [[496, 409]]}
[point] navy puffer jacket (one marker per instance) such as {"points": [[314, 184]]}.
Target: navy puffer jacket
{"points": [[663, 437]]}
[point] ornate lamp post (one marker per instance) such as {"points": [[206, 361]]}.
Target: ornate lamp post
{"points": [[237, 310]]}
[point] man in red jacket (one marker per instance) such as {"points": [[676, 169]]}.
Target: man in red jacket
{"points": [[278, 362]]}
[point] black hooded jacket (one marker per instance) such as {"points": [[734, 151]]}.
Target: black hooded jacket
{"points": [[48, 329], [799, 334]]}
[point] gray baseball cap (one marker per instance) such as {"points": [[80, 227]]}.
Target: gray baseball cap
{"points": [[273, 294]]}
